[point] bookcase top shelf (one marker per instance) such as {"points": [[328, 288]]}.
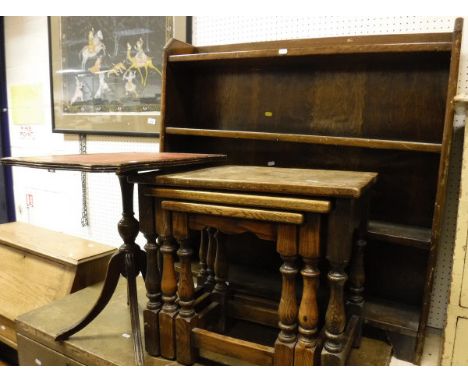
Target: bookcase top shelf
{"points": [[424, 42]]}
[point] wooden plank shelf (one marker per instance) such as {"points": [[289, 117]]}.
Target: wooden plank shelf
{"points": [[416, 237], [392, 316], [346, 48], [314, 139]]}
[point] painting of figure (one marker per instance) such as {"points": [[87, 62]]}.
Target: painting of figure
{"points": [[107, 66], [100, 52]]}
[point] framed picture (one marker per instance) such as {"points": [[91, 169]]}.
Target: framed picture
{"points": [[106, 72]]}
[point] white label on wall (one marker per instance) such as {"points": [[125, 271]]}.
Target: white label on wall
{"points": [[151, 121]]}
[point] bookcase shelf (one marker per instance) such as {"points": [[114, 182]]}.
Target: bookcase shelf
{"points": [[417, 237], [317, 50], [313, 139]]}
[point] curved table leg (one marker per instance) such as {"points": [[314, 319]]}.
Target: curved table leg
{"points": [[112, 278], [128, 261]]}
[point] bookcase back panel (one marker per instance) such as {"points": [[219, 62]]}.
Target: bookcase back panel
{"points": [[384, 96]]}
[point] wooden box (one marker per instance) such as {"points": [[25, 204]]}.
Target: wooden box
{"points": [[38, 266], [365, 103]]}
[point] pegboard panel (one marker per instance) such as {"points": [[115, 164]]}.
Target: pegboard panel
{"points": [[211, 30], [236, 29]]}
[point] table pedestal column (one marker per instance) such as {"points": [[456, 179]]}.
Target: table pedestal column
{"points": [[129, 261]]}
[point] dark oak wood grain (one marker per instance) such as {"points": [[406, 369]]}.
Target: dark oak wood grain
{"points": [[413, 236], [153, 276], [168, 285], [186, 319]]}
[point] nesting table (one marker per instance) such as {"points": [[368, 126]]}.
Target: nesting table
{"points": [[292, 207]]}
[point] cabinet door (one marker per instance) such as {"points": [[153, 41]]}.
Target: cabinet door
{"points": [[460, 351]]}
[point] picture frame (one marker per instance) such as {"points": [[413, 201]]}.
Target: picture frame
{"points": [[106, 72]]}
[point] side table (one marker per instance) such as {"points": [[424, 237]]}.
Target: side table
{"points": [[129, 260]]}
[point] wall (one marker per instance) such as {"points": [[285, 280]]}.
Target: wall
{"points": [[56, 197]]}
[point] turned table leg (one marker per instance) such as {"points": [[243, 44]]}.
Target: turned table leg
{"points": [[202, 274], [286, 246], [186, 318], [221, 274], [168, 286], [340, 234], [357, 277], [129, 260], [355, 302], [210, 258], [309, 250], [153, 276], [335, 318]]}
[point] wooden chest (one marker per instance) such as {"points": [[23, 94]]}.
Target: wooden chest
{"points": [[38, 266], [106, 341]]}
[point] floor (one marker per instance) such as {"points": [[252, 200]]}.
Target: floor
{"points": [[431, 354]]}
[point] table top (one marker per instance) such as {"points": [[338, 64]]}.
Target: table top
{"points": [[310, 182], [113, 162]]}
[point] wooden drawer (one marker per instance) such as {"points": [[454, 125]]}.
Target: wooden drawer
{"points": [[31, 353]]}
